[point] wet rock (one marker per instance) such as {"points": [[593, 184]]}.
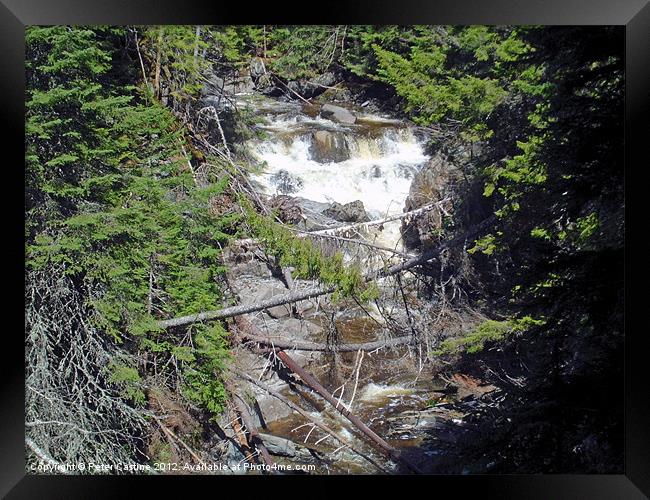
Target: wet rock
{"points": [[436, 181], [283, 447], [287, 209], [327, 79], [250, 268], [278, 446], [329, 146], [269, 409], [350, 212], [337, 114], [314, 217], [233, 459], [312, 88], [297, 329], [279, 311], [300, 330], [406, 171], [375, 172], [272, 90], [213, 85], [285, 182], [299, 87], [306, 308], [217, 85]]}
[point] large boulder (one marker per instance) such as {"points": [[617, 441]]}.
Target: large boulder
{"points": [[350, 212], [283, 447], [315, 220], [337, 114], [329, 146], [216, 85], [288, 209], [435, 182], [312, 88], [327, 79]]}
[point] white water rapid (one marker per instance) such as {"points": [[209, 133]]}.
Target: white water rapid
{"points": [[314, 158]]}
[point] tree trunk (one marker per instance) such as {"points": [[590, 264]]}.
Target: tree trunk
{"points": [[305, 414], [297, 296], [284, 343], [311, 381], [156, 82]]}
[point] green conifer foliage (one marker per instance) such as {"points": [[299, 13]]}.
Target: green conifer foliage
{"points": [[111, 198]]}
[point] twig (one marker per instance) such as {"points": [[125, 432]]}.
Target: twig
{"points": [[344, 442], [169, 432], [44, 456]]}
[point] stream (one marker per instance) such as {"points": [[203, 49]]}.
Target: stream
{"points": [[320, 161]]}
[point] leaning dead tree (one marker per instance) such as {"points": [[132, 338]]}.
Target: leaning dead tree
{"points": [[72, 412], [372, 436], [330, 432], [335, 233], [360, 226], [298, 295], [246, 328]]}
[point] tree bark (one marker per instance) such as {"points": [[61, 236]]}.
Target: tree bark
{"points": [[311, 381], [296, 296], [305, 414], [284, 343], [229, 312], [156, 82]]}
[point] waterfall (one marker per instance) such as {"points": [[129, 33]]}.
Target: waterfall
{"points": [[314, 158]]}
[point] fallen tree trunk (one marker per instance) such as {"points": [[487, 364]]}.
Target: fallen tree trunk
{"points": [[305, 414], [377, 222], [297, 295], [284, 343], [247, 420], [229, 312], [305, 234], [311, 381], [331, 232]]}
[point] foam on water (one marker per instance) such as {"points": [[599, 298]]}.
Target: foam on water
{"points": [[379, 392], [378, 172]]}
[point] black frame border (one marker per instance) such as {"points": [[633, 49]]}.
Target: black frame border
{"points": [[633, 14]]}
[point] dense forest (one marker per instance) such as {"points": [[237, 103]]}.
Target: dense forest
{"points": [[144, 201]]}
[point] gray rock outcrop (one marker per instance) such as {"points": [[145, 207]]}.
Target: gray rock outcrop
{"points": [[350, 212], [337, 114], [433, 183], [329, 146]]}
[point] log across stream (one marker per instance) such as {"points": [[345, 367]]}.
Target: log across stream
{"points": [[335, 379]]}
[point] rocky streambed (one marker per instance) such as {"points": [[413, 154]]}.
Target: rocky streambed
{"points": [[323, 167]]}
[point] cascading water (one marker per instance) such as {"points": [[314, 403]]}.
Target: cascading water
{"points": [[318, 159]]}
